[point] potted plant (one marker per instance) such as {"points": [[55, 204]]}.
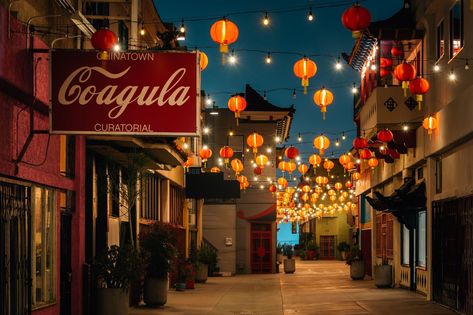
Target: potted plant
{"points": [[183, 276], [312, 250], [114, 270], [157, 244], [383, 274], [206, 258], [303, 254], [289, 262], [357, 266], [343, 248]]}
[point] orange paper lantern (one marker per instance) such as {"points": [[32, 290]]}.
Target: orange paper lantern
{"points": [[237, 166], [291, 167], [254, 141], [328, 165], [215, 169], [305, 69], [373, 162], [203, 60], [224, 32], [322, 143], [261, 160], [226, 153], [323, 98], [356, 176], [430, 124], [282, 182], [344, 159], [303, 169], [237, 104]]}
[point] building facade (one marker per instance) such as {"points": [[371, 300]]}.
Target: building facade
{"points": [[433, 257], [62, 199]]}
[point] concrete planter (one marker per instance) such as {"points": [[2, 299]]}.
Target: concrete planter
{"points": [[156, 291], [357, 270], [383, 276], [202, 273], [112, 301], [289, 265]]}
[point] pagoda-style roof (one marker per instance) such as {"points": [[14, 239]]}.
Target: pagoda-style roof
{"points": [[400, 26], [256, 103]]}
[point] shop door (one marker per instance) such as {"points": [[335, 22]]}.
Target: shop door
{"points": [[261, 243], [66, 266], [452, 253], [327, 247], [15, 249]]}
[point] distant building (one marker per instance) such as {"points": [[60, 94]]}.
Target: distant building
{"points": [[244, 230]]}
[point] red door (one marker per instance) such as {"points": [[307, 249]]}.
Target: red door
{"points": [[261, 240], [327, 247], [366, 250]]}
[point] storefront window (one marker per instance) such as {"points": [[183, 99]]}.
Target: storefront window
{"points": [[456, 28], [422, 239], [44, 242], [405, 245]]}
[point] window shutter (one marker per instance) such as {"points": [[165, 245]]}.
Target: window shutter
{"points": [[379, 250], [389, 236]]}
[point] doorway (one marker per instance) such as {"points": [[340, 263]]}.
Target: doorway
{"points": [[66, 267], [327, 247], [261, 248]]}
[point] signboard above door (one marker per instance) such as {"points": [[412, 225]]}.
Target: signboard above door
{"points": [[130, 93]]}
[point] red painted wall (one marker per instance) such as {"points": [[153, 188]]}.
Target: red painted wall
{"points": [[24, 83]]}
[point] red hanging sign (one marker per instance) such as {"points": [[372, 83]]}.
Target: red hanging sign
{"points": [[131, 93]]}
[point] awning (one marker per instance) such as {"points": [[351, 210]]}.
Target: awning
{"points": [[161, 155]]}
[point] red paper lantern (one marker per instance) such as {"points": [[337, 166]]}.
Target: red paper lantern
{"points": [[404, 73], [291, 153], [257, 170], [397, 50], [419, 87], [224, 32], [226, 153], [348, 184], [272, 188], [356, 18], [383, 72], [385, 62], [360, 143], [104, 40], [385, 135], [365, 154]]}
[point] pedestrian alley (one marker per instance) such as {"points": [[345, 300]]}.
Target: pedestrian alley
{"points": [[317, 287]]}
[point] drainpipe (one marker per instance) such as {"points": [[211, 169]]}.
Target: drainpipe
{"points": [[28, 24], [9, 17]]}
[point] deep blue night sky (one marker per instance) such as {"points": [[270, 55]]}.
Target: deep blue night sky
{"points": [[288, 31]]}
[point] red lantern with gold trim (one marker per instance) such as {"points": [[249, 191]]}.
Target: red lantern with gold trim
{"points": [[385, 135], [254, 141], [205, 154], [226, 154], [419, 86], [360, 143], [365, 154], [291, 153], [356, 18], [104, 40], [224, 32], [404, 73]]}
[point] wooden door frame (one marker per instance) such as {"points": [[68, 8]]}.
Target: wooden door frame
{"points": [[271, 239]]}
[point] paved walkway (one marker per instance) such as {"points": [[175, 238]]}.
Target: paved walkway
{"points": [[318, 287]]}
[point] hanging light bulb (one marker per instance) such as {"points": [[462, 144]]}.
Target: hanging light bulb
{"points": [[405, 127], [208, 101], [142, 30], [266, 19], [337, 143], [436, 68], [373, 67], [294, 95], [467, 66], [299, 138], [182, 32], [338, 65], [343, 136], [354, 89], [452, 75], [310, 16], [232, 58], [268, 58], [264, 95]]}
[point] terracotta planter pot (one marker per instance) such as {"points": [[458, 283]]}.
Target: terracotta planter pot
{"points": [[357, 270], [202, 273], [289, 265], [156, 291], [383, 276], [112, 301]]}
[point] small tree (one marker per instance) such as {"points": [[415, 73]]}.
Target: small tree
{"points": [[125, 184]]}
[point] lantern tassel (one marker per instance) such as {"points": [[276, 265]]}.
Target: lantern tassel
{"points": [[419, 99], [405, 86]]}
